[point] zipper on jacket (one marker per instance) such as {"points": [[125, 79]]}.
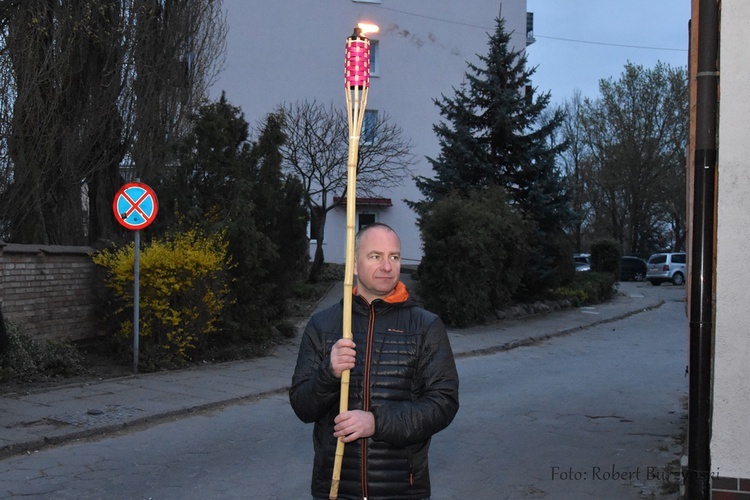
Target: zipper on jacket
{"points": [[367, 371]]}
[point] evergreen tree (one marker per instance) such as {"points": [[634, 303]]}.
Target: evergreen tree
{"points": [[279, 214], [224, 183], [479, 235], [496, 133], [212, 169]]}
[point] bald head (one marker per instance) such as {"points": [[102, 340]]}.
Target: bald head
{"points": [[375, 225]]}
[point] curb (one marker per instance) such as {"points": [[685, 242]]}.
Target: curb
{"points": [[486, 351]]}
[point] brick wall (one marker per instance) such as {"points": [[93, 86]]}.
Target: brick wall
{"points": [[50, 290], [730, 488]]}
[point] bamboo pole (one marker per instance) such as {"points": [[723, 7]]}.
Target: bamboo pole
{"points": [[357, 76]]}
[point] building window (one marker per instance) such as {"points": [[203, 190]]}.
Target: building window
{"points": [[313, 224], [374, 57], [369, 127], [530, 28], [365, 220]]}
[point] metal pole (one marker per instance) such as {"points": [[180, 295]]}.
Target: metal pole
{"points": [[702, 283], [136, 297]]}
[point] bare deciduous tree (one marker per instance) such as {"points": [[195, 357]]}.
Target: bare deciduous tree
{"points": [[576, 167], [86, 84], [316, 152], [178, 49], [636, 133]]}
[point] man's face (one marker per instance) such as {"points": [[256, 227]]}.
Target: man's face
{"points": [[377, 263]]}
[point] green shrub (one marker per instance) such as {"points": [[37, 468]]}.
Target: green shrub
{"points": [[577, 297], [474, 255], [587, 289], [606, 257], [183, 290], [549, 265], [29, 360], [597, 287]]}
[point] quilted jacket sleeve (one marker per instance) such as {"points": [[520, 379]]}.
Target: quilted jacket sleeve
{"points": [[314, 390], [435, 400]]}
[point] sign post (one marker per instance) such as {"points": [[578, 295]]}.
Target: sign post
{"points": [[135, 207]]}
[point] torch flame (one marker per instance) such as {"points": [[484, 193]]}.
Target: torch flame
{"points": [[368, 28]]}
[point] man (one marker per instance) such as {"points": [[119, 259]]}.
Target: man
{"points": [[403, 381]]}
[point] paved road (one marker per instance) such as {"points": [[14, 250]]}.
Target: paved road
{"points": [[592, 414]]}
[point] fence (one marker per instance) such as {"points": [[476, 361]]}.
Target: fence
{"points": [[50, 290]]}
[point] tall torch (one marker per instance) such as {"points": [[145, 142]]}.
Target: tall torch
{"points": [[357, 85]]}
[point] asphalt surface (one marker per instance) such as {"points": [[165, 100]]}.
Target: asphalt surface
{"points": [[42, 418]]}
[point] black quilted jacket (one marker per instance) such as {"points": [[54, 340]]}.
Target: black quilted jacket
{"points": [[404, 374]]}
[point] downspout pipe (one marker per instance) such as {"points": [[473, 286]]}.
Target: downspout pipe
{"points": [[702, 283]]}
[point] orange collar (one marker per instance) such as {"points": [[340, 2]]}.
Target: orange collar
{"points": [[398, 294]]}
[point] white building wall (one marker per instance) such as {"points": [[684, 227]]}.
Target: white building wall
{"points": [[730, 439], [293, 50]]}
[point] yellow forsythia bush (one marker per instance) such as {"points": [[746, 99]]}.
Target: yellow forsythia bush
{"points": [[183, 289]]}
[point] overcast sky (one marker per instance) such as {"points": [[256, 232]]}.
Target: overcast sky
{"points": [[579, 42]]}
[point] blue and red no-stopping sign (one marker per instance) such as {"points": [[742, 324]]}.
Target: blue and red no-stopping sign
{"points": [[135, 205]]}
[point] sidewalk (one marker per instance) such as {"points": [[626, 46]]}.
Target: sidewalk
{"points": [[30, 421]]}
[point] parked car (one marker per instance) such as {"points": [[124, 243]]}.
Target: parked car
{"points": [[632, 269], [663, 267], [582, 261]]}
